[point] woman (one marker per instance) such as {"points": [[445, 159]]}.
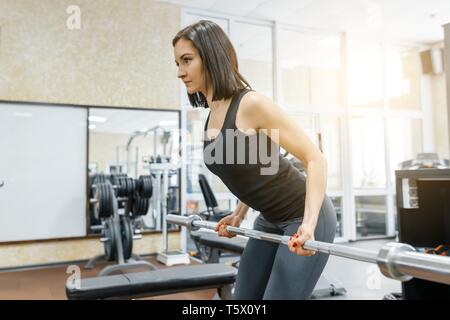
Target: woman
{"points": [[288, 203]]}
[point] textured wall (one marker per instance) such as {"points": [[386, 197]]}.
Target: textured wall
{"points": [[121, 55], [69, 250]]}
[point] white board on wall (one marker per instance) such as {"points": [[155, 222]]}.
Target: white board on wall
{"points": [[43, 166]]}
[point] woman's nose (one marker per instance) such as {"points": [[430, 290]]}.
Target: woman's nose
{"points": [[181, 73]]}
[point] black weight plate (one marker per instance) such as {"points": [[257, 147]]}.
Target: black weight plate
{"points": [[112, 198], [133, 186], [130, 187], [122, 187], [103, 201], [146, 206], [127, 237], [109, 246], [96, 204], [100, 200], [136, 203], [109, 200], [145, 193]]}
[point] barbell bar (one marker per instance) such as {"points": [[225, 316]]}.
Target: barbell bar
{"points": [[398, 261], [93, 200]]}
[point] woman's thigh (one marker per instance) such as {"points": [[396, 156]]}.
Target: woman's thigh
{"points": [[293, 276], [255, 265]]}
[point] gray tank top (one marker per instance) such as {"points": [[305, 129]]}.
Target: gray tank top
{"points": [[253, 169]]}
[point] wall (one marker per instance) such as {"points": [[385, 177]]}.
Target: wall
{"points": [[103, 146], [121, 56], [440, 113], [25, 254]]}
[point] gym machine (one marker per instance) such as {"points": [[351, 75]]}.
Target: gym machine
{"points": [[166, 194], [423, 205], [162, 172], [398, 261], [118, 229]]}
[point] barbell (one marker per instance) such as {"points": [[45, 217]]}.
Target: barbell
{"points": [[398, 261]]}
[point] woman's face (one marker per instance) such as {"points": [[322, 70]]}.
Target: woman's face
{"points": [[190, 66]]}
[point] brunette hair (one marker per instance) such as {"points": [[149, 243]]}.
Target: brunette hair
{"points": [[219, 61]]}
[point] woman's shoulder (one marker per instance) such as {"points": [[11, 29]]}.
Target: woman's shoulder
{"points": [[256, 108], [254, 102]]}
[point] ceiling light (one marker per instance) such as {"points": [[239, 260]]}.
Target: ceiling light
{"points": [[23, 114], [97, 119], [167, 123]]}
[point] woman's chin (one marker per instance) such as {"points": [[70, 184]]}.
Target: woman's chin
{"points": [[191, 90]]}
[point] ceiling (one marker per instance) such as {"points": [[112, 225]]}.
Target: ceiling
{"points": [[129, 121], [407, 20]]}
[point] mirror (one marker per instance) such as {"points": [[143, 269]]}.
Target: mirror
{"points": [[126, 147]]}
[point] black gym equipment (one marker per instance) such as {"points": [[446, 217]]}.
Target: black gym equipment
{"points": [[156, 282], [145, 186], [423, 211], [425, 161], [126, 229], [212, 208], [108, 233], [138, 206], [117, 230]]}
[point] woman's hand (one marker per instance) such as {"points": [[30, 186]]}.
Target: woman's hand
{"points": [[233, 220], [305, 232]]}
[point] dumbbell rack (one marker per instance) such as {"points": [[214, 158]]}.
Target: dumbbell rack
{"points": [[122, 263], [161, 171]]}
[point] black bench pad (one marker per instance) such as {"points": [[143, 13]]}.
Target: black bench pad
{"points": [[153, 283], [235, 245]]}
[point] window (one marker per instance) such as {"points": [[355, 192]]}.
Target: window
{"points": [[310, 68], [308, 123], [371, 214], [403, 78], [331, 140], [368, 155], [365, 74], [405, 141], [253, 44], [337, 203]]}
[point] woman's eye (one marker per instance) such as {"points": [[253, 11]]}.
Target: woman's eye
{"points": [[187, 60]]}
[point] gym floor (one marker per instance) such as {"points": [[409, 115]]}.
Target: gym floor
{"points": [[362, 280], [49, 283]]}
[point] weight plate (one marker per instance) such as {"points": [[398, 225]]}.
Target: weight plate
{"points": [[127, 237], [110, 245]]}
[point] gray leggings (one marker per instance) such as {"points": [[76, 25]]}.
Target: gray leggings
{"points": [[270, 271]]}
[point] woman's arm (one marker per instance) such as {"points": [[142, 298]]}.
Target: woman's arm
{"points": [[262, 113], [234, 220], [241, 210]]}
